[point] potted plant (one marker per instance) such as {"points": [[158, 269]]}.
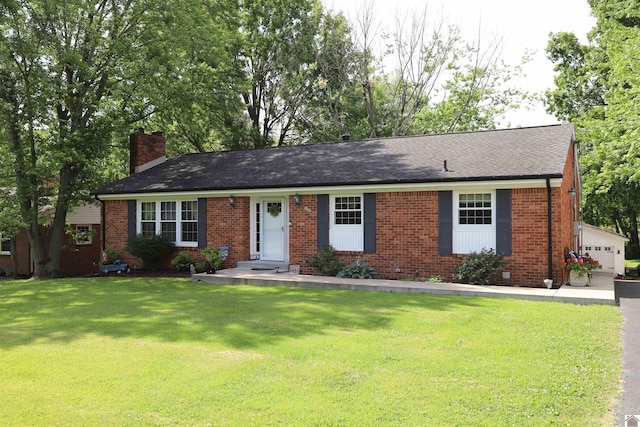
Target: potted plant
{"points": [[591, 263], [579, 268], [214, 259]]}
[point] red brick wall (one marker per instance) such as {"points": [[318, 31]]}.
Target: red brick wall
{"points": [[407, 237], [81, 260], [303, 232], [569, 212], [529, 236], [229, 226], [407, 233], [22, 254], [115, 225], [75, 260]]}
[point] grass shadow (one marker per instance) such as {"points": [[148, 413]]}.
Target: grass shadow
{"points": [[172, 310]]}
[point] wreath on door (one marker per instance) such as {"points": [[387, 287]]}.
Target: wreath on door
{"points": [[274, 209]]}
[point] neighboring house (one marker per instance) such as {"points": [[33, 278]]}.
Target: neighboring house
{"points": [[605, 246], [411, 207], [81, 251]]}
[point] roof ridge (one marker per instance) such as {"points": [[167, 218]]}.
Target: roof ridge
{"points": [[383, 138]]}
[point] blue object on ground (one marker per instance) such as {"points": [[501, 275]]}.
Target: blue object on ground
{"points": [[115, 267]]}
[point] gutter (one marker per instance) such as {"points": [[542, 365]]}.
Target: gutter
{"points": [[549, 232]]}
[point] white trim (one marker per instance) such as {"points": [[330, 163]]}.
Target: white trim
{"points": [[486, 233], [604, 232], [339, 189], [253, 254], [346, 237], [84, 242], [285, 223], [5, 238], [158, 221], [253, 226]]}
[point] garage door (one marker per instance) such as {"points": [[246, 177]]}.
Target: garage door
{"points": [[604, 254]]}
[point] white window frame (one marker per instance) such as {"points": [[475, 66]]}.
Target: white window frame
{"points": [[469, 238], [3, 239], [89, 235], [179, 221], [346, 237]]}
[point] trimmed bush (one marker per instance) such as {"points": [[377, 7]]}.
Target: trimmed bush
{"points": [[182, 262], [359, 270], [326, 261], [480, 268], [152, 249]]}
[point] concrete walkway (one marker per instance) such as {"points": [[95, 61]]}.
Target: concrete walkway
{"points": [[599, 292]]}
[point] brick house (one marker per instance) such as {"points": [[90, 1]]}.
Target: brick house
{"points": [[412, 206], [80, 255]]}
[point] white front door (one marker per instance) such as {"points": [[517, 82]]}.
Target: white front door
{"points": [[273, 226]]}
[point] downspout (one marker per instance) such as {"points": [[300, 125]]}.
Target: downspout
{"points": [[549, 232]]}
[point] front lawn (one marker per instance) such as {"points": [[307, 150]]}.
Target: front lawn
{"points": [[150, 351]]}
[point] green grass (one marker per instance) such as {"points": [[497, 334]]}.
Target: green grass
{"points": [[122, 351], [631, 263]]}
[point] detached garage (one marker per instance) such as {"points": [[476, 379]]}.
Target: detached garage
{"points": [[605, 246]]}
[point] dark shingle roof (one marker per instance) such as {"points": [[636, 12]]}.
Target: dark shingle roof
{"points": [[500, 154]]}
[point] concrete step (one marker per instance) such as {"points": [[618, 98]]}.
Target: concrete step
{"points": [[279, 266]]}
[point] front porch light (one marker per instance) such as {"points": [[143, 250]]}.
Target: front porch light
{"points": [[232, 201], [296, 199]]}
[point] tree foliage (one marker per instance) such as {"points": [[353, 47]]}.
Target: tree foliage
{"points": [[597, 87], [72, 75]]}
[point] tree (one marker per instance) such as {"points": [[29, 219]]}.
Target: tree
{"points": [[276, 40], [73, 74], [597, 87], [436, 82], [326, 115], [196, 100]]}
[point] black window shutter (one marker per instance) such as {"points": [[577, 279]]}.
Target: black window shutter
{"points": [[370, 222], [323, 220], [202, 223], [131, 218], [445, 222], [503, 222]]}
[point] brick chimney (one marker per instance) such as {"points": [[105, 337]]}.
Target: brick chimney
{"points": [[146, 151]]}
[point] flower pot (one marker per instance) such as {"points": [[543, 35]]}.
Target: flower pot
{"points": [[576, 280]]}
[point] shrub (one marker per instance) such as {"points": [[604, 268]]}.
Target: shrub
{"points": [[359, 270], [435, 279], [326, 261], [480, 268], [213, 257], [112, 255], [152, 249], [182, 262]]}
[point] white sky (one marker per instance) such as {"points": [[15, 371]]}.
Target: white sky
{"points": [[522, 24]]}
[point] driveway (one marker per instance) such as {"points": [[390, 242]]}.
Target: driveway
{"points": [[630, 404]]}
